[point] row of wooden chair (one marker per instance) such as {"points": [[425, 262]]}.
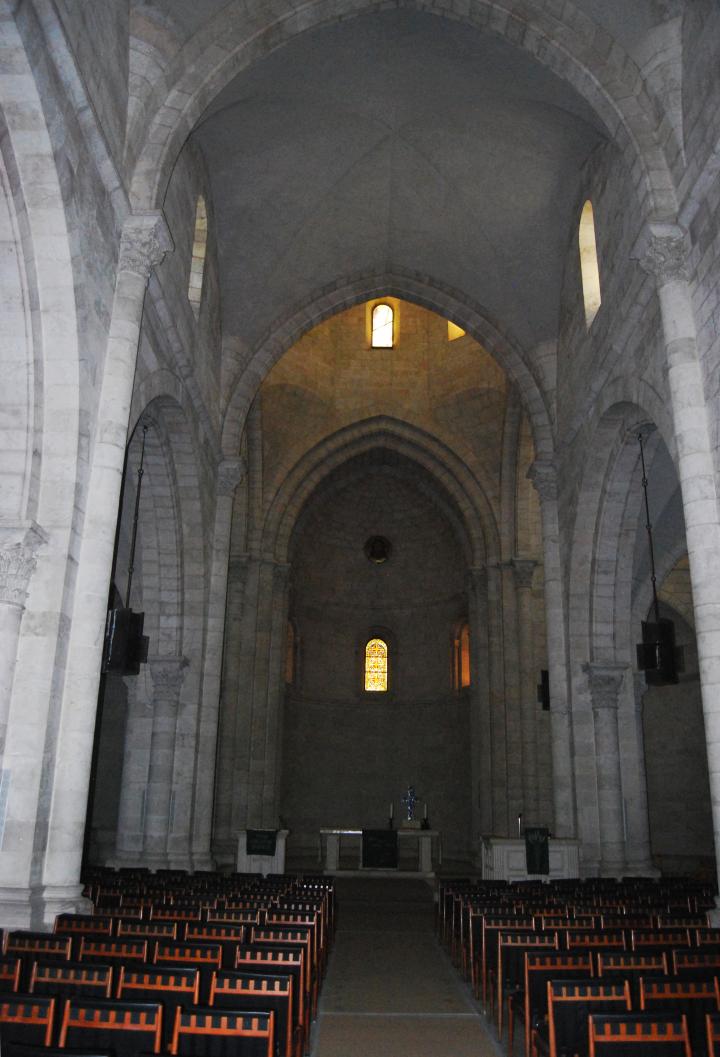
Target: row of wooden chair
{"points": [[125, 1029]]}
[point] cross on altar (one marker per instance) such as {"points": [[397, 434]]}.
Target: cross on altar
{"points": [[410, 800]]}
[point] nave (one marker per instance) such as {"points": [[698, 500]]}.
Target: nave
{"points": [[390, 987]]}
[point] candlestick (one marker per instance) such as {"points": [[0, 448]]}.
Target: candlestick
{"points": [[425, 810], [519, 825], [391, 809]]}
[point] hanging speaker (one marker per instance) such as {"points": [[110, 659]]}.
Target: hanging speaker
{"points": [[126, 648], [543, 690], [656, 654]]}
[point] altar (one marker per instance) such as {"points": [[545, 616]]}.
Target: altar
{"points": [[429, 849], [503, 859]]}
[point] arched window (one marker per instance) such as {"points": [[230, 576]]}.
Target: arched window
{"points": [[376, 666], [197, 265], [382, 335], [589, 269], [461, 656]]}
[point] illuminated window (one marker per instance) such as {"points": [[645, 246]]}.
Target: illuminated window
{"points": [[454, 331], [461, 657], [382, 327], [589, 269], [376, 666], [197, 265]]}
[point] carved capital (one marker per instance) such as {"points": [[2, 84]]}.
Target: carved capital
{"points": [[543, 475], [524, 569], [605, 682], [661, 251], [18, 558], [145, 240], [230, 473], [167, 674]]}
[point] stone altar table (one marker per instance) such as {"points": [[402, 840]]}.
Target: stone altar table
{"points": [[331, 839]]}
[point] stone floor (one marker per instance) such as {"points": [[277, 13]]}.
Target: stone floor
{"points": [[390, 989]]}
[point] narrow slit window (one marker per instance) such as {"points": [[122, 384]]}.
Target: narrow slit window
{"points": [[383, 320], [376, 666], [197, 264], [589, 269]]}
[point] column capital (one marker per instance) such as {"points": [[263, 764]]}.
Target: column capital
{"points": [[543, 475], [19, 542], [167, 674], [661, 251], [605, 682], [230, 472], [145, 240], [524, 569]]}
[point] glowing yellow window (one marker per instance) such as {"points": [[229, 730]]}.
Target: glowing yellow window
{"points": [[589, 268], [382, 327], [376, 665]]}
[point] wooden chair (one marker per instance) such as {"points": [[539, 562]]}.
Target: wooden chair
{"points": [[205, 957], [113, 952], [491, 928], [222, 1033], [140, 929], [26, 1019], [712, 1034], [638, 1035], [268, 994], [30, 946], [539, 968], [509, 980], [277, 962], [170, 987], [693, 998], [699, 964], [125, 1028], [68, 979], [570, 1003], [299, 938], [227, 935], [627, 965], [10, 970]]}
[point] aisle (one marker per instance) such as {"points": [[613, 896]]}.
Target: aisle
{"points": [[390, 990]]}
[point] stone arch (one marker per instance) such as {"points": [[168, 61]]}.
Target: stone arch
{"points": [[609, 81], [454, 480], [411, 287], [45, 362]]}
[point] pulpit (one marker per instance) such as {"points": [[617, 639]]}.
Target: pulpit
{"points": [[503, 859], [260, 859]]}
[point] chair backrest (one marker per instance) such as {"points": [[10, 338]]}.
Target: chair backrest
{"points": [[631, 966], [202, 955], [128, 1028], [542, 967], [65, 979], [26, 1019], [222, 1033], [570, 1002], [579, 939], [72, 924], [697, 963], [660, 939], [147, 984], [250, 992], [39, 944], [693, 998], [638, 1035], [114, 952], [10, 969], [277, 962], [147, 930]]}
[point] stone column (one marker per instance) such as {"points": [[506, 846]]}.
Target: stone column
{"points": [[638, 854], [543, 475], [167, 674], [230, 473], [524, 569], [145, 241], [605, 682], [224, 845], [502, 826], [18, 547], [480, 719], [662, 254]]}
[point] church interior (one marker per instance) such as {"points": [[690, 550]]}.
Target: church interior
{"points": [[370, 351]]}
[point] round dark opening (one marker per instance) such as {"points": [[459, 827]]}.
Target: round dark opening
{"points": [[378, 549]]}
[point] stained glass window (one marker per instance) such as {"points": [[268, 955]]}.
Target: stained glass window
{"points": [[382, 327], [376, 665]]}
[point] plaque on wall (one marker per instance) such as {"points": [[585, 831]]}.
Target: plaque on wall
{"points": [[537, 850], [261, 841], [380, 849]]}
